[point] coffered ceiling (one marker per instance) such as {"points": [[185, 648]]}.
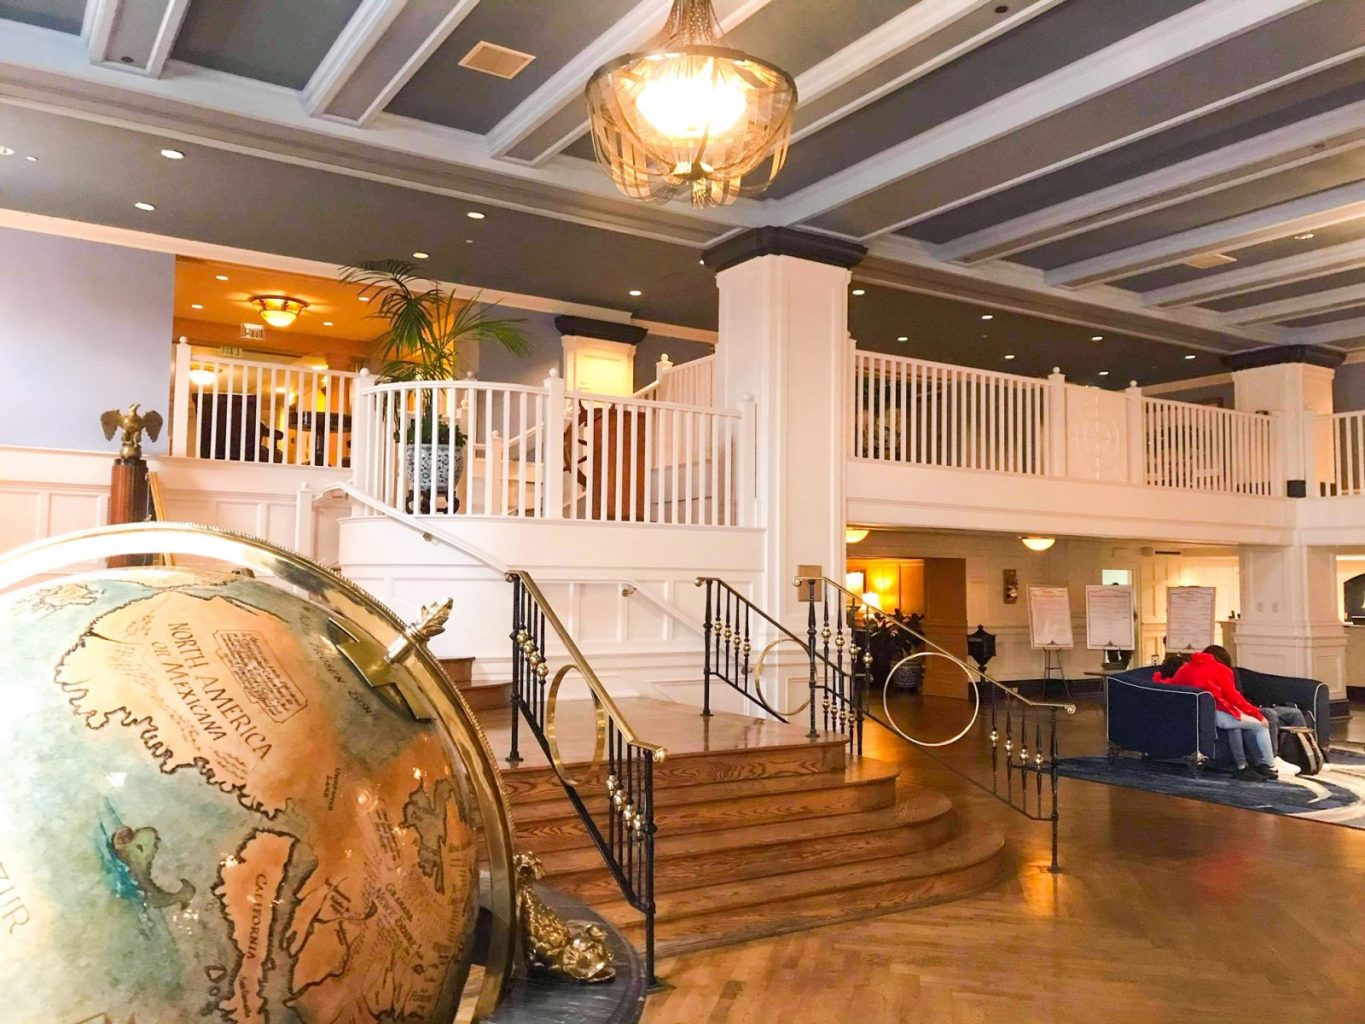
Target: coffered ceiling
{"points": [[1062, 160]]}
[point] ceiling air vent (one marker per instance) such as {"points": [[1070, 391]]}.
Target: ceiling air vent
{"points": [[1209, 259], [492, 59]]}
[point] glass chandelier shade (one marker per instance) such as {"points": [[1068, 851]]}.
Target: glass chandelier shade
{"points": [[279, 310], [690, 116]]}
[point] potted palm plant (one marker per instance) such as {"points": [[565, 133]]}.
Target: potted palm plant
{"points": [[426, 332]]}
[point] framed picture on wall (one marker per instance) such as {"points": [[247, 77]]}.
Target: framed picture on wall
{"points": [[1011, 586]]}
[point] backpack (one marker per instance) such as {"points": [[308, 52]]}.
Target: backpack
{"points": [[1299, 746]]}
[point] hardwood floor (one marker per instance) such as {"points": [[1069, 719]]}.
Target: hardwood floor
{"points": [[1167, 911]]}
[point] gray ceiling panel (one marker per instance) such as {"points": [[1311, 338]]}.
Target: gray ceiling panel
{"points": [[62, 15], [1288, 104], [1271, 190], [1052, 40], [1341, 279], [1250, 60], [1336, 317], [797, 34], [279, 41], [445, 93], [1279, 248]]}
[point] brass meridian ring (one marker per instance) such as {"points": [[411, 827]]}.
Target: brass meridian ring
{"points": [[976, 699], [758, 678], [599, 742]]}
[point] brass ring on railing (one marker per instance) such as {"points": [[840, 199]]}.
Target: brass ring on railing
{"points": [[599, 743], [976, 699], [758, 677]]}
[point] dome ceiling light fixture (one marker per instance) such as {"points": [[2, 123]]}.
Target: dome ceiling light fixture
{"points": [[278, 310], [854, 535], [1035, 543], [690, 115]]}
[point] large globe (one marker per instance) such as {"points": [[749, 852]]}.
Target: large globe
{"points": [[207, 814]]}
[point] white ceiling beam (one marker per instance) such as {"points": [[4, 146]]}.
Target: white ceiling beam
{"points": [[1327, 334], [1330, 259], [1329, 301], [1325, 135], [1308, 213], [565, 86], [385, 43], [1132, 58], [132, 35]]}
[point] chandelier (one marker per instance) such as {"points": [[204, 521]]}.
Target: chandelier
{"points": [[688, 115]]}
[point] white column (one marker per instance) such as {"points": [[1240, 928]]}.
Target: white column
{"points": [[1056, 423], [180, 403], [552, 447], [1289, 623], [1300, 392], [1137, 435], [784, 340]]}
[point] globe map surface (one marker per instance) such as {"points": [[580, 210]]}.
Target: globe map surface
{"points": [[207, 814]]}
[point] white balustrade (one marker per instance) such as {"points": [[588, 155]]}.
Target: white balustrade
{"points": [[1347, 433], [1204, 448], [935, 414], [244, 410], [528, 451], [687, 383]]}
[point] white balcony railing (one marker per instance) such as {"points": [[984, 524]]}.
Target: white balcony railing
{"points": [[1345, 439], [544, 452], [915, 412], [241, 410]]}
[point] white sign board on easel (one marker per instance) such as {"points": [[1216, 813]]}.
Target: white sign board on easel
{"points": [[1049, 618], [1109, 612], [1189, 618]]}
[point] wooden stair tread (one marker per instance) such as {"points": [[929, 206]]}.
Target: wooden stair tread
{"points": [[961, 852], [866, 772], [914, 809]]}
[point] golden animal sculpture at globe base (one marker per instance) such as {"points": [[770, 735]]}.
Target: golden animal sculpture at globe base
{"points": [[129, 494], [576, 950], [395, 661]]}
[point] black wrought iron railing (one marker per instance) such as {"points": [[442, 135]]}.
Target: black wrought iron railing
{"points": [[1023, 733], [834, 701], [621, 826]]}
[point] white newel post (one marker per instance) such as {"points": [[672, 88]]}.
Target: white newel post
{"points": [[362, 454], [1056, 423], [784, 337], [662, 367], [180, 404], [1137, 435], [552, 446], [303, 520], [746, 486]]}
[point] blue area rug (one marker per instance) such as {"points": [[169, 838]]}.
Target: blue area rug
{"points": [[1335, 795]]}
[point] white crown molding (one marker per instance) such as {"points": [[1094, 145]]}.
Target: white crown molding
{"points": [[1166, 42], [1336, 131], [1304, 267], [1307, 213]]}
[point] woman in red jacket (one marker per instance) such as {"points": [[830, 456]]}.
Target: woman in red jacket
{"points": [[1233, 713]]}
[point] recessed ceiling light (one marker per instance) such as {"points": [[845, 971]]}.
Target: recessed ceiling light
{"points": [[6, 151], [145, 206], [1097, 337], [475, 215], [173, 154], [421, 255], [859, 291], [327, 323], [1104, 373], [1010, 356], [903, 337], [31, 159], [1191, 356], [636, 293], [701, 263], [220, 277], [1303, 237], [196, 305], [987, 316]]}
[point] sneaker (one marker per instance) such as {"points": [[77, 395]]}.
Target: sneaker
{"points": [[1287, 769], [1266, 772], [1248, 774]]}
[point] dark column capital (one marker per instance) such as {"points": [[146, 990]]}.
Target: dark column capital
{"points": [[606, 330], [774, 241], [1276, 355]]}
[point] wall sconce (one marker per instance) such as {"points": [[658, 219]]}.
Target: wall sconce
{"points": [[202, 377], [1034, 543], [853, 535], [279, 310]]}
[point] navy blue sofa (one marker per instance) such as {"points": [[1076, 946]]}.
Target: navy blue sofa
{"points": [[1167, 722]]}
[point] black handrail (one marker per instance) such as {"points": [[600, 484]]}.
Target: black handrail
{"points": [[729, 633], [625, 839], [1009, 709]]}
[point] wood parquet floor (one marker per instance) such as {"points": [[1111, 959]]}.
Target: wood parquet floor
{"points": [[1167, 911]]}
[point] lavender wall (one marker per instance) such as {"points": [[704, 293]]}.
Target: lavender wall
{"points": [[84, 327]]}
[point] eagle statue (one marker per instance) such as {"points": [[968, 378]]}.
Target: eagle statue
{"points": [[132, 423]]}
